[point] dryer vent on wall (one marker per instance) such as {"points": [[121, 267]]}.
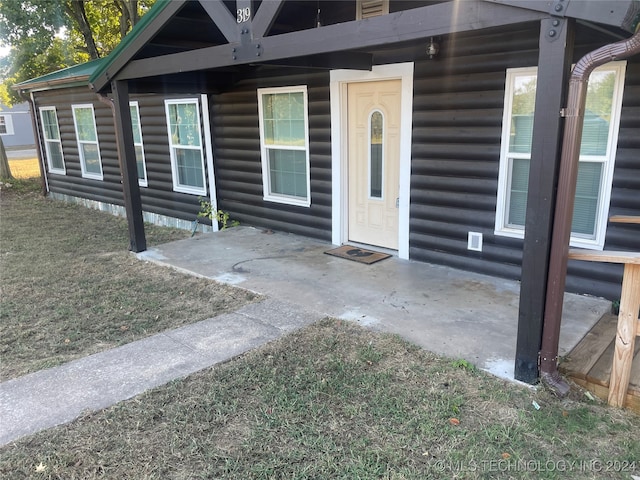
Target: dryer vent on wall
{"points": [[474, 241]]}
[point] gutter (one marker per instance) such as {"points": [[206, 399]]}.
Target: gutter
{"points": [[556, 281], [34, 124], [52, 84]]}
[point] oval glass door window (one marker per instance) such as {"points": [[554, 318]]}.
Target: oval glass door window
{"points": [[375, 154]]}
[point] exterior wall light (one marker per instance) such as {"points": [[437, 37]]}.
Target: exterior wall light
{"points": [[432, 49]]}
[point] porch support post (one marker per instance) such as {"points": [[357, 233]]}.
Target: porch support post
{"points": [[554, 63], [128, 165]]}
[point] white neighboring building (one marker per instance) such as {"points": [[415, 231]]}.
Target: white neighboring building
{"points": [[16, 127]]}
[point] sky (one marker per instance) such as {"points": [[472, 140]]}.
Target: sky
{"points": [[4, 51]]}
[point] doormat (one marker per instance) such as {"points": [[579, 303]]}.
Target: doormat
{"points": [[357, 254]]}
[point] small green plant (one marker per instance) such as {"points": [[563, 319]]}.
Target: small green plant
{"points": [[615, 307], [220, 216], [464, 364]]}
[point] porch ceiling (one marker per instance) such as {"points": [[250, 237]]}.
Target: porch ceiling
{"points": [[199, 46], [185, 37]]}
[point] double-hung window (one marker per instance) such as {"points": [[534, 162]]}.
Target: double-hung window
{"points": [[87, 136], [185, 142], [51, 137], [284, 142], [597, 154], [137, 143], [6, 125]]}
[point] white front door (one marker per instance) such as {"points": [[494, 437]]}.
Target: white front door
{"points": [[373, 124]]}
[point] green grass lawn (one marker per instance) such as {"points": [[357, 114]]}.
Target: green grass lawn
{"points": [[336, 401], [70, 287]]}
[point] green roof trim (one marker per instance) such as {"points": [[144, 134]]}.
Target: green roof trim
{"points": [[135, 32], [76, 73]]}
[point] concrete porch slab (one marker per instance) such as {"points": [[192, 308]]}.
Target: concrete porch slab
{"points": [[450, 312]]}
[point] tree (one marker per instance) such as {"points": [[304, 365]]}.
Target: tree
{"points": [[78, 15], [600, 93], [130, 15], [47, 35], [524, 97], [5, 171]]}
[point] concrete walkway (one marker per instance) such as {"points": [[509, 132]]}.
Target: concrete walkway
{"points": [[450, 312], [58, 395]]}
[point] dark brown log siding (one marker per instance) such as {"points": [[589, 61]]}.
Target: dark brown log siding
{"points": [[159, 196], [457, 122], [457, 119], [109, 190], [238, 164]]}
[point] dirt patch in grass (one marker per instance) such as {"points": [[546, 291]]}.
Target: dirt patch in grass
{"points": [[71, 288], [340, 402]]}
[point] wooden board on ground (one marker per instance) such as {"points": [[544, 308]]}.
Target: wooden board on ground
{"points": [[591, 348], [601, 371], [632, 401], [589, 363]]}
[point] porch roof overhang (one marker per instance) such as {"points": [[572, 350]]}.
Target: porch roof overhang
{"points": [[64, 78], [396, 27], [617, 13], [231, 46]]}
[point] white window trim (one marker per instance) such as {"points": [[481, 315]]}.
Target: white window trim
{"points": [[208, 145], [174, 166], [266, 177], [339, 80], [597, 242], [8, 124], [48, 141], [85, 174], [141, 181]]}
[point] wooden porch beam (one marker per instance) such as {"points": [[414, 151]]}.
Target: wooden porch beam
{"points": [[162, 87], [554, 63], [223, 19], [128, 166], [168, 12], [350, 60], [265, 16], [617, 13], [418, 23]]}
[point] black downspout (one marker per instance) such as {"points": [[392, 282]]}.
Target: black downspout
{"points": [[574, 114]]}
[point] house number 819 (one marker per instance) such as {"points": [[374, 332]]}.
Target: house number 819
{"points": [[244, 15]]}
